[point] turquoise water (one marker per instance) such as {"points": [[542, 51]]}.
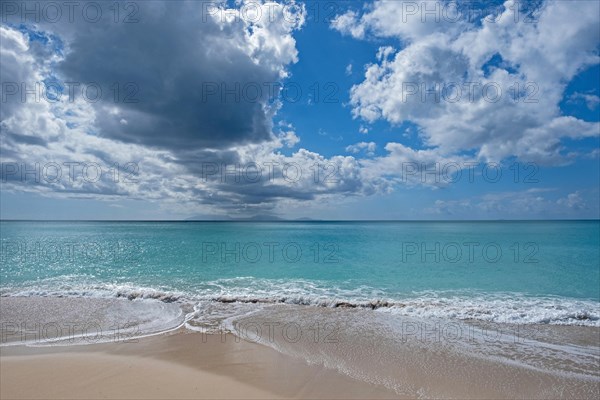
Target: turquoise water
{"points": [[546, 272]]}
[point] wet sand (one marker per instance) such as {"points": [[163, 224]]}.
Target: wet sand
{"points": [[177, 365], [325, 354]]}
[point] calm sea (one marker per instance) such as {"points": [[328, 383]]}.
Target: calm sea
{"points": [[544, 272]]}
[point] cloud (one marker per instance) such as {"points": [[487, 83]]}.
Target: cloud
{"points": [[591, 100], [32, 121], [527, 204], [362, 146], [490, 86], [204, 81], [404, 18], [348, 23], [196, 148], [174, 128], [573, 201], [219, 179], [404, 166]]}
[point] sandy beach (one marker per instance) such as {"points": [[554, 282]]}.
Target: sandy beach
{"points": [[354, 354], [181, 365], [191, 365]]}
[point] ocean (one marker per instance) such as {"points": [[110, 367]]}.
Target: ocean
{"points": [[525, 292]]}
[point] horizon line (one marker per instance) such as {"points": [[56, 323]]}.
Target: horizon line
{"points": [[299, 220]]}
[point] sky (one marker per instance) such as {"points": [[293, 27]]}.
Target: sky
{"points": [[376, 110]]}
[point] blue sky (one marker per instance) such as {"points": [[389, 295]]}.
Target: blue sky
{"points": [[378, 115]]}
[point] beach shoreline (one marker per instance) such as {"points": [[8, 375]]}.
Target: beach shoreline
{"points": [[281, 351]]}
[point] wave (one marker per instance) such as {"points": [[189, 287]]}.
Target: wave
{"points": [[58, 288], [522, 311], [516, 308]]}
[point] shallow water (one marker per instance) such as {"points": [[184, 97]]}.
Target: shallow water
{"points": [[511, 272]]}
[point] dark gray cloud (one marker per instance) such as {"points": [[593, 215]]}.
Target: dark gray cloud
{"points": [[167, 66], [27, 139], [172, 57]]}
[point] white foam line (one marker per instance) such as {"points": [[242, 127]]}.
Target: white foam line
{"points": [[51, 342]]}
